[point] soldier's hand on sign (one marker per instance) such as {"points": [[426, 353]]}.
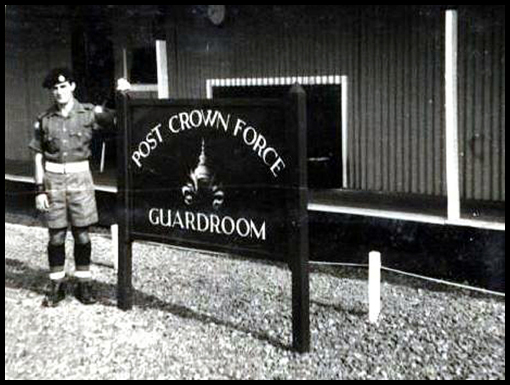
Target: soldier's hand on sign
{"points": [[123, 85], [98, 110]]}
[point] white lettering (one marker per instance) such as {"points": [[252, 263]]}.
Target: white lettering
{"points": [[153, 220], [158, 133], [204, 223], [214, 119], [232, 226], [266, 154], [260, 145], [215, 224], [243, 222], [136, 159], [250, 141], [165, 222], [221, 119], [190, 221], [195, 118], [239, 126], [184, 118], [171, 124], [210, 118], [259, 234], [277, 167], [178, 221], [144, 149], [151, 142]]}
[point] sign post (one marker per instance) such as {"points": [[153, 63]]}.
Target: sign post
{"points": [[223, 175], [125, 261], [298, 255]]}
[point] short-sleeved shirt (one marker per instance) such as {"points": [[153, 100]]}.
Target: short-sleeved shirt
{"points": [[67, 139]]}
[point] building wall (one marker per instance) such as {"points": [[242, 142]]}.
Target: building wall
{"points": [[394, 59], [36, 40], [15, 100], [482, 102]]}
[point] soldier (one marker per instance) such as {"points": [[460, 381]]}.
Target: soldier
{"points": [[65, 190]]}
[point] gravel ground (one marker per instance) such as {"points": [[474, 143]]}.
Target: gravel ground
{"points": [[201, 316]]}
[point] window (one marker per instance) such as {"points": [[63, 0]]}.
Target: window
{"points": [[143, 66]]}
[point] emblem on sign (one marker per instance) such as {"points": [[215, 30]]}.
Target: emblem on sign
{"points": [[201, 188]]}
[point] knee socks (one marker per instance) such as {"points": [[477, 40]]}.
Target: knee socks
{"points": [[82, 253], [57, 259]]}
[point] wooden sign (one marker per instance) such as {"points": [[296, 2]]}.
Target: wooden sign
{"points": [[218, 175]]}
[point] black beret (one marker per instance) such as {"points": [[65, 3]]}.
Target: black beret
{"points": [[57, 76]]}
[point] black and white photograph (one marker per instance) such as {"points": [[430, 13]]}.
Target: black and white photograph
{"points": [[255, 192]]}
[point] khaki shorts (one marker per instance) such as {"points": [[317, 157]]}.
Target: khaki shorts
{"points": [[72, 200]]}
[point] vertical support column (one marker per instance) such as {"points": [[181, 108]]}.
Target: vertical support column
{"points": [[103, 157], [209, 89], [162, 63], [345, 131], [298, 199], [125, 262], [374, 286], [125, 68], [114, 229], [451, 109]]}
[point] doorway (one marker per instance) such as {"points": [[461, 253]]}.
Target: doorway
{"points": [[94, 69]]}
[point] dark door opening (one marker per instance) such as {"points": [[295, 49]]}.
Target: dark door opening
{"points": [[324, 127], [94, 68]]}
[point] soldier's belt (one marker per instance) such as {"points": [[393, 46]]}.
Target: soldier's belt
{"points": [[67, 168]]}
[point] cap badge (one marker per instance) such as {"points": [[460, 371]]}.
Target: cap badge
{"points": [[61, 78]]}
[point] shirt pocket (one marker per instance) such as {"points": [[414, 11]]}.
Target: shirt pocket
{"points": [[52, 145], [87, 121], [51, 139], [81, 136]]}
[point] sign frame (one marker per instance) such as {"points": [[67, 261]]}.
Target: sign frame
{"points": [[293, 107]]}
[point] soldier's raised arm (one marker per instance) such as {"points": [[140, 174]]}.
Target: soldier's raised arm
{"points": [[105, 117]]}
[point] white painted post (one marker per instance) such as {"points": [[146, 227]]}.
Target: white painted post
{"points": [[374, 286], [209, 89], [451, 110], [103, 156], [345, 130], [125, 71], [115, 246], [162, 62]]}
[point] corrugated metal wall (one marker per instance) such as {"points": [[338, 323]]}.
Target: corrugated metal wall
{"points": [[393, 57], [397, 130], [15, 106], [482, 102]]}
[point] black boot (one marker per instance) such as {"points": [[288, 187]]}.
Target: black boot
{"points": [[56, 293], [85, 294]]}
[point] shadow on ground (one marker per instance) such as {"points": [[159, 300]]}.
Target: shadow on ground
{"points": [[18, 275]]}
